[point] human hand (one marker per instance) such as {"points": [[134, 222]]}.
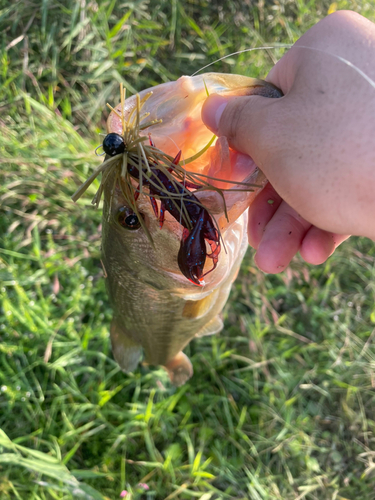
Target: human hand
{"points": [[315, 144], [278, 233]]}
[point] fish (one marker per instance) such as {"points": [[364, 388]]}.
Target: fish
{"points": [[163, 290]]}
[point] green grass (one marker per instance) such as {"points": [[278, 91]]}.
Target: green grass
{"points": [[281, 405]]}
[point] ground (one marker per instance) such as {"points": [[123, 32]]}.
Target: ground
{"points": [[281, 405]]}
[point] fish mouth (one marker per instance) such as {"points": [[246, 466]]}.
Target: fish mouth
{"points": [[208, 190], [175, 109]]}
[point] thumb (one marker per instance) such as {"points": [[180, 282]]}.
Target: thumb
{"points": [[250, 123]]}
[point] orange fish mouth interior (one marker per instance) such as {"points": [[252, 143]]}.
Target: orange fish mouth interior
{"points": [[215, 162], [203, 193], [177, 107]]}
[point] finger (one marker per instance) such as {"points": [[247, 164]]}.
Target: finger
{"points": [[318, 245], [246, 122], [261, 212], [281, 239]]}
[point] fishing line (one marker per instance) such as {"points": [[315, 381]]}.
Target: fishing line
{"points": [[343, 60], [289, 46], [272, 47]]}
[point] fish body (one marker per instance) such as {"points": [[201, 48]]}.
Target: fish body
{"points": [[156, 309]]}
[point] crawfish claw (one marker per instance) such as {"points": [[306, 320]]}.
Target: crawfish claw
{"points": [[162, 214], [192, 254]]}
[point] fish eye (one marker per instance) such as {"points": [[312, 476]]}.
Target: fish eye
{"points": [[128, 219], [113, 144]]}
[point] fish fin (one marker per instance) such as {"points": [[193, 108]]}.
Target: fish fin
{"points": [[179, 369], [125, 351], [212, 327]]}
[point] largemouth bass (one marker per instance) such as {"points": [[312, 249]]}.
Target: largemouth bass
{"points": [[156, 308]]}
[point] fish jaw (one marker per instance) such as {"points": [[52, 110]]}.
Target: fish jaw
{"points": [[178, 105]]}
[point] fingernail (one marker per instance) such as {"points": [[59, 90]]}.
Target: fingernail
{"points": [[212, 111]]}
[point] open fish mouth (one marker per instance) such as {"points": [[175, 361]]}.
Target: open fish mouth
{"points": [[203, 190]]}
